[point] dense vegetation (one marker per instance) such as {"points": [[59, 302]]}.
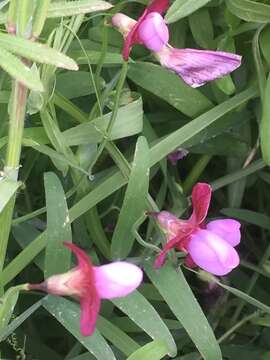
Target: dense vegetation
{"points": [[84, 141]]}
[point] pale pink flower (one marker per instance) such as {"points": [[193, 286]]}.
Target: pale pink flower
{"points": [[89, 284], [209, 246]]}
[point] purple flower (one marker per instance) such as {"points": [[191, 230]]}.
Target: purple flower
{"points": [[178, 154], [211, 246], [196, 67], [90, 284]]}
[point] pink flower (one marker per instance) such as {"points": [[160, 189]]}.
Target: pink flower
{"points": [[150, 29], [195, 67], [89, 284], [209, 246]]}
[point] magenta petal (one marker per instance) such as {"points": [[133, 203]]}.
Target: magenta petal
{"points": [[196, 67], [82, 258], [153, 32], [89, 312], [201, 197], [117, 279], [227, 229], [159, 6], [211, 253]]}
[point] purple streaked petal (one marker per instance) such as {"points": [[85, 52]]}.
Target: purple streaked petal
{"points": [[211, 253], [227, 229], [153, 32], [117, 279], [196, 67]]}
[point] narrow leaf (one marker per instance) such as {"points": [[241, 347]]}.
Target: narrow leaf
{"points": [[57, 257], [182, 8], [176, 292], [154, 350], [19, 71], [134, 202], [144, 315], [7, 190], [69, 8], [265, 124], [68, 314], [36, 52]]}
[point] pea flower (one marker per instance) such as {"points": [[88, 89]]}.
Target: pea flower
{"points": [[150, 29], [89, 284], [195, 67], [209, 246]]}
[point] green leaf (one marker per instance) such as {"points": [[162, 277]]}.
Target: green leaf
{"points": [[168, 86], [265, 124], [238, 175], [8, 188], [19, 71], [40, 17], [92, 56], [109, 184], [247, 298], [117, 336], [57, 257], [175, 290], [203, 35], [19, 320], [134, 202], [154, 350], [144, 315], [264, 43], [191, 129], [7, 304], [36, 52], [182, 8], [68, 314], [129, 121], [251, 217], [249, 10], [76, 84], [69, 8]]}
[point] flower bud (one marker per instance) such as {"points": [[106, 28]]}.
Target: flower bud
{"points": [[123, 23]]}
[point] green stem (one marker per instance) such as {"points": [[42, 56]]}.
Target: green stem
{"points": [[196, 172], [16, 126], [237, 326], [113, 116]]}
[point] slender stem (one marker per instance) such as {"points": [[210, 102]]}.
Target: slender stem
{"points": [[237, 326], [113, 116], [16, 126], [196, 172]]}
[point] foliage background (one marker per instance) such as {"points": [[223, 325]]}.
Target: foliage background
{"points": [[93, 160]]}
